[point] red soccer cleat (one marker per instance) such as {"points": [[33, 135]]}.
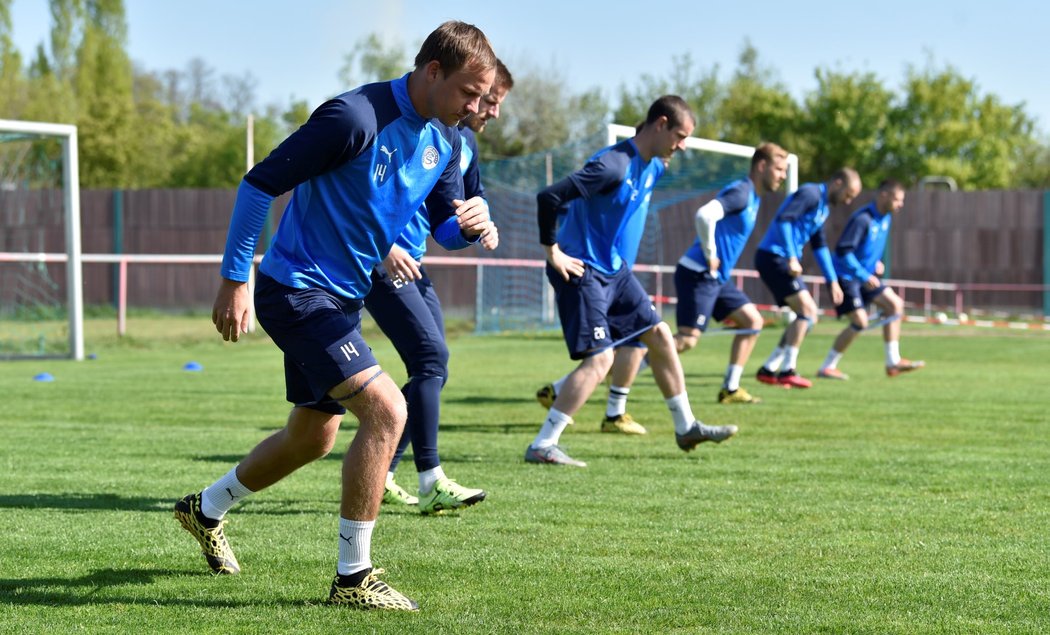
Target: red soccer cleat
{"points": [[791, 379]]}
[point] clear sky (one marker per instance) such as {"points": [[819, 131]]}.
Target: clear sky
{"points": [[295, 48]]}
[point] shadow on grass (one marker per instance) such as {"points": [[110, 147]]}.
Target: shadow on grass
{"points": [[85, 502], [54, 591]]}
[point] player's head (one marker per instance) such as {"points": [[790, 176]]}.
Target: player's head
{"points": [[670, 122], [843, 187], [489, 106], [890, 198], [768, 167], [457, 65]]}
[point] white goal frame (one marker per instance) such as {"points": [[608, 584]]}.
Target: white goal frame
{"points": [[67, 134], [619, 131]]}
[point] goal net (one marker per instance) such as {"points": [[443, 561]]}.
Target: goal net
{"points": [[513, 292], [41, 312]]}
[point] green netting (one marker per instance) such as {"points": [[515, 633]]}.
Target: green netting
{"points": [[518, 298], [33, 311]]}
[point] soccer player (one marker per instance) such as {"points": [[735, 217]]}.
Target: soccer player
{"points": [[600, 302], [858, 263], [404, 305], [703, 286], [800, 218], [360, 168], [702, 277]]}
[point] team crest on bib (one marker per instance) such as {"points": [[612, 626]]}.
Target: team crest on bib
{"points": [[430, 157]]}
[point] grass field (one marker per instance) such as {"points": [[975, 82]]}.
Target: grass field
{"points": [[913, 505]]}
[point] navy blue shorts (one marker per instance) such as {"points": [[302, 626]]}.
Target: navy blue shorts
{"points": [[320, 335], [773, 270], [598, 311], [856, 296], [409, 314], [701, 296]]}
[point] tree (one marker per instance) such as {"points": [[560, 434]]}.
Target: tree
{"points": [[702, 92], [12, 81], [370, 60], [756, 107], [843, 125], [946, 127], [541, 113]]}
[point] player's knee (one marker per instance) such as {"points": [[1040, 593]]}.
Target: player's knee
{"points": [[685, 342], [751, 319], [896, 306], [430, 361]]}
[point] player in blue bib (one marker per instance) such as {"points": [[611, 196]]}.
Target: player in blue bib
{"points": [[405, 306], [799, 220], [702, 277], [858, 262], [360, 168], [600, 302]]}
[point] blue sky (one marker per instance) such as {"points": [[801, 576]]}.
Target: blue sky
{"points": [[295, 49]]}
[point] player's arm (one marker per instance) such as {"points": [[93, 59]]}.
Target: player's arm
{"points": [[822, 254], [797, 205], [473, 187], [455, 223], [707, 215], [549, 202], [598, 176], [336, 132], [852, 236]]}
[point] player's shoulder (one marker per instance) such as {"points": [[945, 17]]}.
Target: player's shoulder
{"points": [[363, 107], [616, 157], [469, 137]]}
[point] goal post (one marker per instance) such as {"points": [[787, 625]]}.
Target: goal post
{"points": [[28, 249]]}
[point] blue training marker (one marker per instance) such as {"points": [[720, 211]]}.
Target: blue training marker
{"points": [[44, 377], [193, 366]]}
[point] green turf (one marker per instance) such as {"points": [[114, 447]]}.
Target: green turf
{"points": [[918, 504]]}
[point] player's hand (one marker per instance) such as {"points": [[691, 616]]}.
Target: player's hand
{"points": [[836, 293], [794, 267], [872, 283], [400, 265], [490, 238], [713, 263], [472, 215], [230, 312], [564, 264], [880, 268]]}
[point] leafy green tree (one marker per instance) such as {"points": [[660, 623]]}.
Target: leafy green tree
{"points": [[371, 60], [757, 107], [702, 92], [946, 127], [12, 80], [541, 113], [844, 124]]}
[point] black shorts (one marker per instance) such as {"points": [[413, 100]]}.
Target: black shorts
{"points": [[701, 297], [773, 270], [599, 311], [856, 296], [320, 335]]}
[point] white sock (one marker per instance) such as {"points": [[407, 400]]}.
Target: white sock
{"points": [[427, 478], [681, 412], [551, 430], [559, 383], [732, 380], [776, 358], [790, 358], [893, 353], [389, 478], [832, 360], [220, 496], [617, 401], [355, 545]]}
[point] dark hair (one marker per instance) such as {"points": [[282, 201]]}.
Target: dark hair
{"points": [[673, 107], [503, 79], [768, 152], [455, 45]]}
